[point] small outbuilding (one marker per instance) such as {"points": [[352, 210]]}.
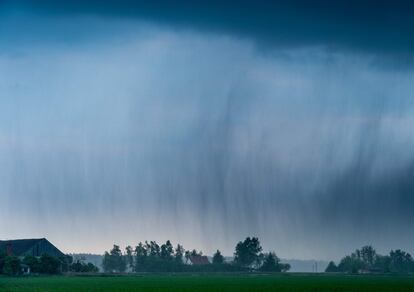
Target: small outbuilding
{"points": [[199, 260]]}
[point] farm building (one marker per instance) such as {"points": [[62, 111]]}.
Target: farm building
{"points": [[198, 260], [29, 247]]}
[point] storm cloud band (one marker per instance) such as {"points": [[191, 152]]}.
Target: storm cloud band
{"points": [[373, 27]]}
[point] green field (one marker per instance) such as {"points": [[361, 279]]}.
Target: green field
{"points": [[210, 282]]}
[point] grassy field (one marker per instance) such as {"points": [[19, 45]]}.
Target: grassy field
{"points": [[210, 282]]}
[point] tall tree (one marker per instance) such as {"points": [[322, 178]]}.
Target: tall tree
{"points": [[107, 263], [141, 254], [218, 259], [154, 249], [248, 252], [167, 251], [129, 257], [179, 252], [368, 255], [114, 261]]}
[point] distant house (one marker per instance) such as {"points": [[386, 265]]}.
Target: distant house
{"points": [[29, 247], [199, 260]]}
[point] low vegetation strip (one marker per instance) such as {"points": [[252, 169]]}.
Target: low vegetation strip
{"points": [[210, 282]]}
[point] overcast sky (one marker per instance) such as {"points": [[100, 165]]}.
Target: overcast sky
{"points": [[126, 121]]}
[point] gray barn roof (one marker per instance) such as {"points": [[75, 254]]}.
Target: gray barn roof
{"points": [[34, 247]]}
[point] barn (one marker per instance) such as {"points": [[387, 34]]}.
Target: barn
{"points": [[30, 247]]}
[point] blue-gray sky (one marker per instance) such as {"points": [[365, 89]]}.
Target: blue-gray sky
{"points": [[122, 121]]}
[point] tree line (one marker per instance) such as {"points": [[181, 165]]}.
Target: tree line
{"points": [[367, 260], [248, 255], [46, 264], [149, 256]]}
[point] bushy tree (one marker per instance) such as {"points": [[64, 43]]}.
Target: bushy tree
{"points": [[401, 262], [367, 255], [33, 263], [49, 264], [152, 257], [382, 263], [66, 262], [331, 268], [284, 267], [114, 261], [80, 267], [362, 259], [91, 268], [270, 263], [154, 249], [167, 251], [11, 266], [218, 259], [248, 252], [366, 258], [350, 264], [76, 267]]}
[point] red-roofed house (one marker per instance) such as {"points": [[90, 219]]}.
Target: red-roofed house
{"points": [[199, 260]]}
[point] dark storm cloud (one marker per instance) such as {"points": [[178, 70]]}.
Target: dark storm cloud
{"points": [[377, 27]]}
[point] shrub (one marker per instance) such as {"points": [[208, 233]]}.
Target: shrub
{"points": [[11, 266], [49, 265]]}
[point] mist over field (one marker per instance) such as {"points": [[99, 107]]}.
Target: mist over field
{"points": [[207, 126]]}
